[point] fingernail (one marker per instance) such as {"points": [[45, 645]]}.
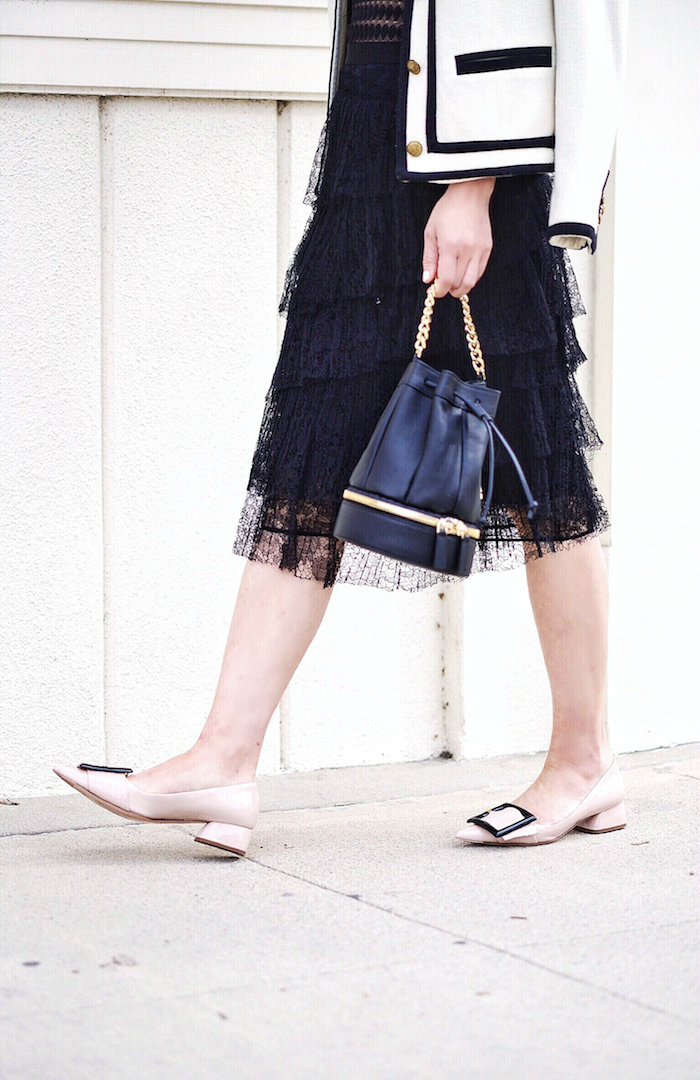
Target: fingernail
{"points": [[426, 275]]}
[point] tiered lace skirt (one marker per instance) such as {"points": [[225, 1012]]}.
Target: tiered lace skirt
{"points": [[353, 298]]}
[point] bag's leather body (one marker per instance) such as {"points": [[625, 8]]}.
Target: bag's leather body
{"points": [[426, 454], [416, 493]]}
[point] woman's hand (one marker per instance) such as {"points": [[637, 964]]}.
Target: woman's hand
{"points": [[457, 239]]}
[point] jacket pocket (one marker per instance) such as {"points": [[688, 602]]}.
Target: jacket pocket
{"points": [[502, 59]]}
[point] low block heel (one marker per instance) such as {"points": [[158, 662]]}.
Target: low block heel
{"points": [[607, 821], [233, 838]]}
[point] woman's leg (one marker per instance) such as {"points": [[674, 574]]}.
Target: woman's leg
{"points": [[276, 617], [569, 597]]}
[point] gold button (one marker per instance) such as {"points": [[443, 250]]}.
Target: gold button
{"points": [[413, 66], [414, 148]]}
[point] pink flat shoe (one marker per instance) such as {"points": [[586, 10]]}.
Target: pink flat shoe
{"points": [[601, 810], [230, 813]]}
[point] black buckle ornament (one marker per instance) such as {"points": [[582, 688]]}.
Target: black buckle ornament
{"points": [[526, 819], [104, 768]]}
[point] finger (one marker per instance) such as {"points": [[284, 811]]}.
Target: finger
{"points": [[430, 255], [461, 268], [469, 278], [446, 271], [483, 263], [475, 270]]}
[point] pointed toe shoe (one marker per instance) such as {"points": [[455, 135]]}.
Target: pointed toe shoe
{"points": [[229, 814]]}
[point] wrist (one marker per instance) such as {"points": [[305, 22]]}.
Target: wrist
{"points": [[481, 186]]}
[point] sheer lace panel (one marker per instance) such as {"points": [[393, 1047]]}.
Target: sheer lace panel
{"points": [[375, 20]]}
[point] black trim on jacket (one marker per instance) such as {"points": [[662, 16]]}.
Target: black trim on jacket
{"points": [[504, 59], [474, 145], [403, 173], [406, 174], [574, 228]]}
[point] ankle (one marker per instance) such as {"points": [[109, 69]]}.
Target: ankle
{"points": [[235, 759], [589, 762]]}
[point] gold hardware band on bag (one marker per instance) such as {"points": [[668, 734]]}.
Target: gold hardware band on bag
{"points": [[449, 525], [469, 329]]}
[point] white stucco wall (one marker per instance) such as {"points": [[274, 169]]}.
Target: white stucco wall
{"points": [[146, 232], [51, 572], [655, 552], [189, 294]]}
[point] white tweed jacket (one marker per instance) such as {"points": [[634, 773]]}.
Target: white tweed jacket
{"points": [[498, 87]]}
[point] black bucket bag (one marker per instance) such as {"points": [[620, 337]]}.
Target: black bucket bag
{"points": [[417, 492]]}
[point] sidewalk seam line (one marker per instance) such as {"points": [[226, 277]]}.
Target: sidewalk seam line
{"points": [[483, 944]]}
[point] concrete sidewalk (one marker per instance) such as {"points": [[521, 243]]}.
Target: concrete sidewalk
{"points": [[359, 940]]}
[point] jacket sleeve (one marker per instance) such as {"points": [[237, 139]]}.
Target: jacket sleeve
{"points": [[591, 40]]}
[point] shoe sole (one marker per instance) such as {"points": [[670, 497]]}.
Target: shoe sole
{"points": [[221, 847], [598, 832], [511, 843]]}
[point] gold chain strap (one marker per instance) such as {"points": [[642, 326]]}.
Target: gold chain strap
{"points": [[469, 329]]}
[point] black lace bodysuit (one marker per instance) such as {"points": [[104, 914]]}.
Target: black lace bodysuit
{"points": [[375, 20]]}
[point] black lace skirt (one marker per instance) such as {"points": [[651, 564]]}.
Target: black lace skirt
{"points": [[353, 298]]}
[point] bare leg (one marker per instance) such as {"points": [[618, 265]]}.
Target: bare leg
{"points": [[274, 621], [569, 597]]}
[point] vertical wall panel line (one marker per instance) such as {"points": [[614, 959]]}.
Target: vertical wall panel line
{"points": [[453, 706], [603, 336], [107, 361], [282, 233]]}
